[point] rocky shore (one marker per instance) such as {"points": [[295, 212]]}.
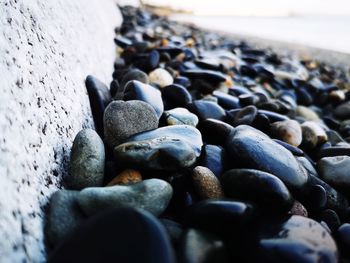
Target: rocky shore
{"points": [[207, 149]]}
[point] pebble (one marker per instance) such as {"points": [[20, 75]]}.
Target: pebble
{"points": [[206, 184], [298, 209], [214, 158], [176, 95], [258, 187], [124, 119], [343, 238], [335, 171], [211, 76], [215, 131], [99, 97], [342, 111], [152, 195], [110, 237], [136, 90], [207, 110], [256, 150], [63, 216], [226, 101], [160, 77], [288, 131], [87, 161], [180, 116], [245, 115], [298, 239], [313, 134], [126, 177], [134, 74], [307, 113]]}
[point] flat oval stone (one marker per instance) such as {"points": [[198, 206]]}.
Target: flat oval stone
{"points": [[258, 187], [288, 131], [99, 97], [185, 133], [208, 75], [201, 247], [64, 215], [226, 101], [110, 237], [176, 95], [205, 183], [207, 110], [180, 116], [152, 195], [161, 153], [299, 239], [124, 119], [335, 171], [160, 77], [219, 216], [136, 90], [87, 161], [256, 150]]}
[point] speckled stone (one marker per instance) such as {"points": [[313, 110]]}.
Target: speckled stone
{"points": [[152, 195], [160, 77], [123, 119], [298, 209], [87, 161], [206, 183], [126, 177], [180, 116], [288, 131]]}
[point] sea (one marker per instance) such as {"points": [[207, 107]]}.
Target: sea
{"points": [[320, 31]]}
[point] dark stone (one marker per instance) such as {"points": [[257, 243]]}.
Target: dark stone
{"points": [[136, 90], [148, 63], [257, 187], [122, 42], [256, 150], [214, 158], [294, 150], [245, 115], [176, 95], [214, 131], [343, 238], [134, 74], [110, 237], [208, 75], [273, 116], [207, 109], [331, 218], [183, 81], [226, 101], [99, 97], [343, 111]]}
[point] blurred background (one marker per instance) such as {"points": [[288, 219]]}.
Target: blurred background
{"points": [[317, 23]]}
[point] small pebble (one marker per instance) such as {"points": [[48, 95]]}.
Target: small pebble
{"points": [[206, 184]]}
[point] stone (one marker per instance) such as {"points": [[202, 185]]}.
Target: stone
{"points": [[221, 217], [288, 131], [313, 134], [342, 111], [201, 247], [256, 150], [331, 218], [343, 238], [176, 95], [226, 101], [307, 113], [180, 116], [298, 239], [99, 97], [136, 90], [211, 76], [134, 74], [161, 153], [214, 131], [63, 216], [126, 177], [87, 161], [124, 119], [257, 187], [335, 171], [214, 158], [152, 195], [298, 209], [205, 183], [207, 110], [245, 115], [160, 77], [110, 237], [174, 230]]}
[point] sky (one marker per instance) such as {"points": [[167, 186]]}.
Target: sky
{"points": [[260, 7]]}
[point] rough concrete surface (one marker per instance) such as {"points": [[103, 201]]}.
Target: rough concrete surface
{"points": [[46, 50]]}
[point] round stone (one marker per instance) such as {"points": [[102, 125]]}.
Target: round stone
{"points": [[206, 184], [180, 116], [123, 119], [87, 161], [307, 113], [288, 131], [134, 74], [313, 134], [161, 77]]}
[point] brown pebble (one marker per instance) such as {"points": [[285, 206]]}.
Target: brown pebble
{"points": [[126, 177], [288, 131], [206, 184], [298, 209]]}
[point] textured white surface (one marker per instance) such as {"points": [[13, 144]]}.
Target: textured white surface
{"points": [[46, 50]]}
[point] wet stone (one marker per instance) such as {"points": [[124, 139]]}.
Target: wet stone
{"points": [[134, 74], [206, 184], [160, 77], [288, 131], [207, 110], [180, 116], [126, 177]]}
